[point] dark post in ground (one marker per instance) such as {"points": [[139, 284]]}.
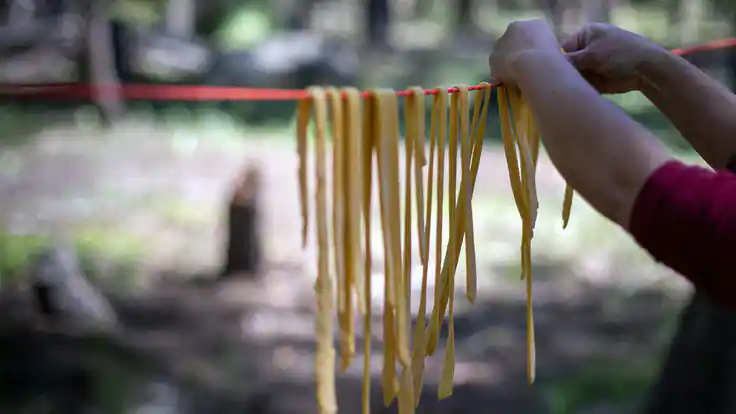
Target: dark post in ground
{"points": [[244, 253]]}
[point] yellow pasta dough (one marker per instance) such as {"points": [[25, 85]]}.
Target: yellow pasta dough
{"points": [[365, 151]]}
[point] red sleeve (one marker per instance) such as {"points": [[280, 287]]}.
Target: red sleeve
{"points": [[685, 216]]}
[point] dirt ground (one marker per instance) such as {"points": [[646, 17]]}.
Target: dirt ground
{"points": [[159, 195]]}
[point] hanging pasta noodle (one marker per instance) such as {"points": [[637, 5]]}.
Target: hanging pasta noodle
{"points": [[566, 205], [441, 137], [516, 125], [406, 387], [442, 287], [385, 131], [567, 198], [356, 137], [344, 288], [415, 118], [367, 188], [458, 127], [353, 182], [325, 355]]}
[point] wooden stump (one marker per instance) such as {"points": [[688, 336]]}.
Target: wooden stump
{"points": [[244, 251]]}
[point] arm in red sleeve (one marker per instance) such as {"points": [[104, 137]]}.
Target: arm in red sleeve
{"points": [[685, 216]]}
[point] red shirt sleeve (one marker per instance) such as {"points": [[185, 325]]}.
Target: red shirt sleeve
{"points": [[685, 216]]}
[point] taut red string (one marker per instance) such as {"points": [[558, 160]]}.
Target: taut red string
{"points": [[201, 93]]}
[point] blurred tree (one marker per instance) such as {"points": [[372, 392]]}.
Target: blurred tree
{"points": [[464, 18], [100, 59], [180, 18], [598, 10], [293, 14], [74, 40], [378, 22], [691, 14]]}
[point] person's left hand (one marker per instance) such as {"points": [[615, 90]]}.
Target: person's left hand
{"points": [[520, 38]]}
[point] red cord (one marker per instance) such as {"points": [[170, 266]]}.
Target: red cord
{"points": [[152, 92]]}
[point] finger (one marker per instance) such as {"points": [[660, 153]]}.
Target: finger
{"points": [[581, 59], [575, 42]]}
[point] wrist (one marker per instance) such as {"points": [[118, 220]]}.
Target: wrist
{"points": [[533, 61], [654, 60], [533, 56]]}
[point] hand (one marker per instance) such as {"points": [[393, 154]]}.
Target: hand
{"points": [[520, 38], [610, 58]]}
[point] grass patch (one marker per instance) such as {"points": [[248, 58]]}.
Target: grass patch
{"points": [[610, 383], [104, 254]]}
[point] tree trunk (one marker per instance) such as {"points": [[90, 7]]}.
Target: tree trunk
{"points": [[181, 18], [101, 62], [294, 14], [691, 16], [464, 18], [377, 22], [598, 11]]}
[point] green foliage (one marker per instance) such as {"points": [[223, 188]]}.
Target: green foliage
{"points": [[93, 246], [244, 28]]}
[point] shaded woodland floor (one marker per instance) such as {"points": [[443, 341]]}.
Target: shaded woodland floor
{"points": [[190, 345]]}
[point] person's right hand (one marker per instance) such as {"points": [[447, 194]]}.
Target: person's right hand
{"points": [[610, 58]]}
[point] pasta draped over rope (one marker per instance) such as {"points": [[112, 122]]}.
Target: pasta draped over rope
{"points": [[366, 153]]}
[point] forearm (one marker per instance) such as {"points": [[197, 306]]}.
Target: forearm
{"points": [[599, 150], [701, 108]]}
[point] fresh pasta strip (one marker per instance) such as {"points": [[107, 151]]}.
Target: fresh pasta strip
{"points": [[458, 126], [390, 150], [436, 321], [466, 130], [353, 125], [520, 117], [406, 384], [522, 129], [443, 288], [406, 392], [353, 130], [352, 190], [415, 112], [507, 139], [566, 205], [325, 354], [364, 129], [389, 380], [567, 198], [420, 335], [304, 108], [344, 291], [367, 188]]}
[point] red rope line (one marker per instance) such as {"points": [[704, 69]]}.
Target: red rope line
{"points": [[153, 92]]}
